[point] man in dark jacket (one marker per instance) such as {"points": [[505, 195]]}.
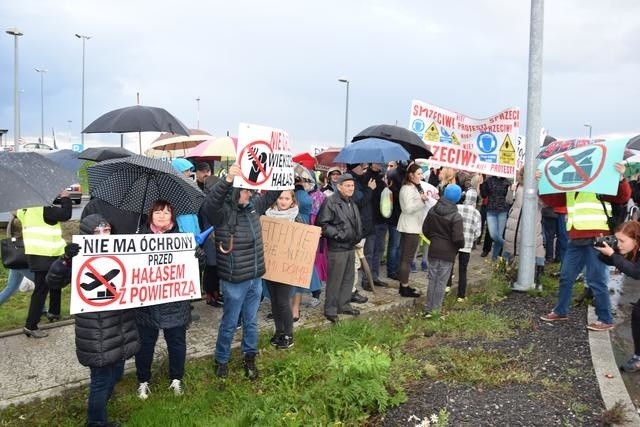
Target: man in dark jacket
{"points": [[395, 176], [444, 228], [235, 214], [341, 225], [105, 339], [374, 243], [495, 188]]}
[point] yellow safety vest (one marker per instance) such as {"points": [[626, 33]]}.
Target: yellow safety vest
{"points": [[39, 237], [585, 212]]}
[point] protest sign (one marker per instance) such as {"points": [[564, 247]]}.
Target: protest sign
{"points": [[478, 145], [584, 168], [289, 250], [264, 157], [114, 272], [556, 147]]}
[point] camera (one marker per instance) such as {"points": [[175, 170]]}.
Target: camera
{"points": [[609, 240]]}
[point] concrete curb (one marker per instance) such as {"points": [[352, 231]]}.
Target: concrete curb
{"points": [[612, 387]]}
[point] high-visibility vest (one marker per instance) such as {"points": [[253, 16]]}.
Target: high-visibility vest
{"points": [[39, 237], [585, 212]]}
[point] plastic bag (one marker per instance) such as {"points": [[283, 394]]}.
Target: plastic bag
{"points": [[26, 285]]}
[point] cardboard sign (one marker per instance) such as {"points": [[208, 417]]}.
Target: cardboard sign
{"points": [[264, 157], [584, 168], [477, 145], [114, 272], [289, 250]]}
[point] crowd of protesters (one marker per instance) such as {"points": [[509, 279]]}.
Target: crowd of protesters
{"points": [[370, 215]]}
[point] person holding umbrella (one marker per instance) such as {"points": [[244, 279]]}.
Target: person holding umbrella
{"points": [[172, 317], [43, 244]]}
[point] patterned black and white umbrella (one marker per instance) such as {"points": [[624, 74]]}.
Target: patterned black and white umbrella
{"points": [[134, 183]]}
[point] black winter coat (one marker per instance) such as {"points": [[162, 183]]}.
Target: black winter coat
{"points": [[443, 227], [167, 315], [246, 260], [106, 337], [339, 218], [374, 206], [363, 199], [495, 188]]}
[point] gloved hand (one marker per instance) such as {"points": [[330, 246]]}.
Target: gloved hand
{"points": [[202, 257], [71, 250]]}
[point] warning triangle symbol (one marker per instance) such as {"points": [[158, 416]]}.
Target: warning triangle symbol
{"points": [[454, 139]]}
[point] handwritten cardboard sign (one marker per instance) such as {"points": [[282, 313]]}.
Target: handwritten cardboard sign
{"points": [[114, 272], [289, 251]]}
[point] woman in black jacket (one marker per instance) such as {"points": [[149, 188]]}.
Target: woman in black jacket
{"points": [[172, 317], [105, 339], [622, 252]]}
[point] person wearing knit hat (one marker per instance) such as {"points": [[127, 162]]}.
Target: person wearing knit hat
{"points": [[444, 228]]}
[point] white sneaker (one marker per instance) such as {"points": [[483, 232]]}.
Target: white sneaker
{"points": [[143, 391], [177, 387], [314, 302]]}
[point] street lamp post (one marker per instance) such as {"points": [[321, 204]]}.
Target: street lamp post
{"points": [[346, 110], [198, 123], [84, 39], [589, 126], [41, 71], [16, 97], [69, 129]]}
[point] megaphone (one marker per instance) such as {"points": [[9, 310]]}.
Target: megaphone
{"points": [[201, 237]]}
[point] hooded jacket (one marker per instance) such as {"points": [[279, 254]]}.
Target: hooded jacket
{"points": [[443, 227], [513, 227], [246, 260]]}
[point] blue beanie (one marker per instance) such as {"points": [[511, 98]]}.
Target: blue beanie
{"points": [[182, 165], [452, 192]]}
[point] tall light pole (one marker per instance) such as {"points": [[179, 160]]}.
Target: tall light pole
{"points": [[198, 123], [16, 97], [69, 128], [346, 110], [589, 126], [41, 71], [84, 39]]}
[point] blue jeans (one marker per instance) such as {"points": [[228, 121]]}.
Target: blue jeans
{"points": [[373, 249], [13, 282], [239, 298], [176, 339], [496, 222], [103, 380], [393, 251], [597, 276], [561, 244]]}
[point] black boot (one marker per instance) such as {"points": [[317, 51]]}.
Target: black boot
{"points": [[538, 275], [249, 364]]}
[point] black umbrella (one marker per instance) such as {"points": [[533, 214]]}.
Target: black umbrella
{"points": [[134, 183], [634, 143], [68, 159], [98, 154], [137, 118], [409, 140], [30, 179]]}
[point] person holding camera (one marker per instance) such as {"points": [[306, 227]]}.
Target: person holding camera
{"points": [[621, 251], [586, 220]]}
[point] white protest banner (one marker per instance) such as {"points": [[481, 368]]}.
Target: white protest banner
{"points": [[289, 250], [114, 272], [264, 157], [477, 145]]}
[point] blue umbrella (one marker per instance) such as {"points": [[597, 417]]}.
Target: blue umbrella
{"points": [[372, 150]]}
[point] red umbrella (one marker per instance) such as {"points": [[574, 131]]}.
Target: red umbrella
{"points": [[325, 159], [306, 160]]}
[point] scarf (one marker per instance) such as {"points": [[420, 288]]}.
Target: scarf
{"points": [[288, 214], [157, 230]]}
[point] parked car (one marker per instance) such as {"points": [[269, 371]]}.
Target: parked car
{"points": [[37, 147], [75, 194]]}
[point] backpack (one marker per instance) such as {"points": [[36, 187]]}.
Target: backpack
{"points": [[386, 202]]}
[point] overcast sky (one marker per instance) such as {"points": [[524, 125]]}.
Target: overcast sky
{"points": [[277, 63]]}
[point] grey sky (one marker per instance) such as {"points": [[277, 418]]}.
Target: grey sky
{"points": [[276, 63]]}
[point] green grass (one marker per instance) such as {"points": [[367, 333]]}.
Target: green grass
{"points": [[337, 375]]}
